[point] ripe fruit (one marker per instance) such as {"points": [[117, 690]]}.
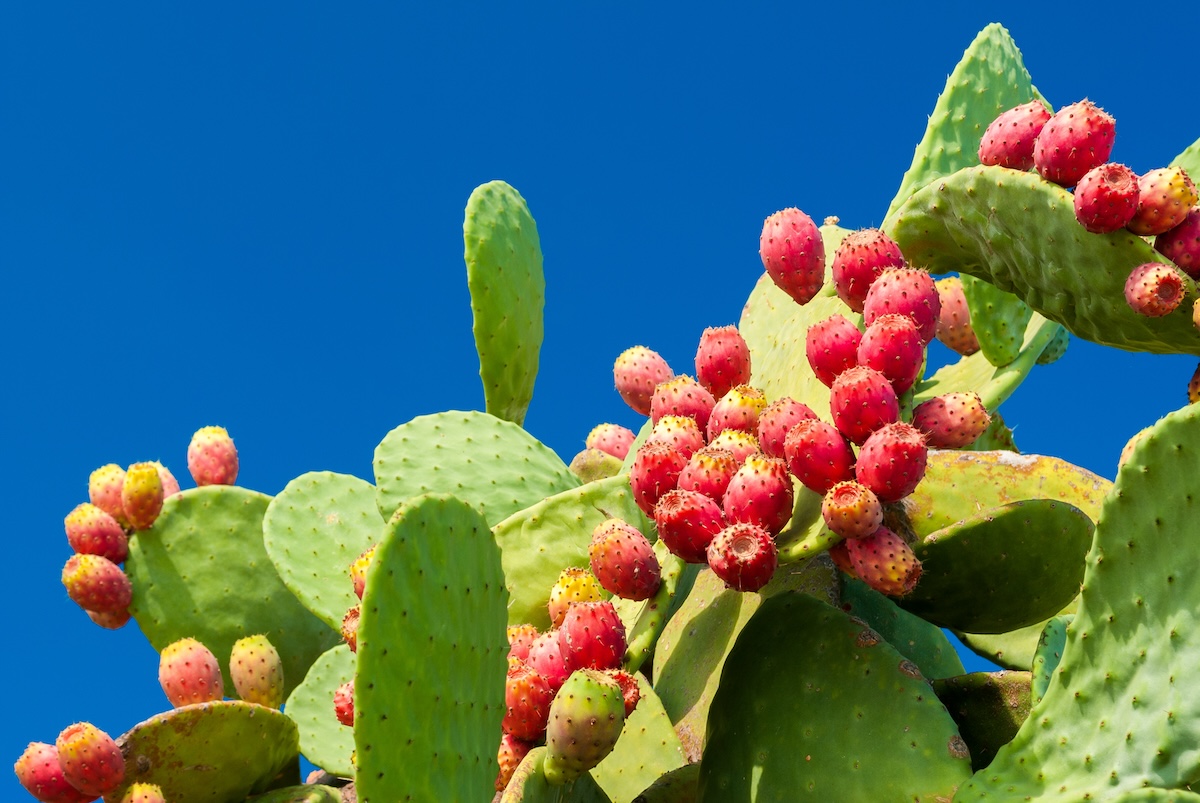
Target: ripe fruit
{"points": [[954, 317], [655, 470], [623, 560], [548, 657], [257, 671], [140, 792], [906, 291], [189, 673], [104, 491], [142, 495], [862, 400], [1075, 139], [884, 561], [738, 409], [592, 636], [1154, 289], [859, 260], [1165, 196], [90, 759], [1106, 198], [722, 360], [682, 396], [892, 461], [343, 703], [744, 556], [573, 585], [637, 371], [1181, 244], [1008, 141], [91, 531], [760, 493], [612, 439], [687, 521], [851, 510], [350, 627], [520, 639], [527, 697], [818, 455], [952, 420], [212, 459], [680, 432], [738, 443], [831, 346], [775, 421], [95, 583], [358, 571], [511, 753], [892, 346], [793, 254], [40, 772]]}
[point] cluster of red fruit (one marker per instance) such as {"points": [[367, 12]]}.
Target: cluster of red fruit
{"points": [[83, 764], [1071, 148]]}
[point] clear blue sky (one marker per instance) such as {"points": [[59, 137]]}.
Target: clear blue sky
{"points": [[250, 215]]}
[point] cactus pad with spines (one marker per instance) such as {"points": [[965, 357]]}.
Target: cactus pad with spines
{"points": [[644, 619], [913, 637], [805, 535], [529, 785], [676, 786], [324, 741], [999, 320], [989, 708], [1049, 653], [1189, 160], [305, 793], [648, 748]]}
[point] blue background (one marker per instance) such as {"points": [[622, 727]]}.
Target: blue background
{"points": [[251, 216]]}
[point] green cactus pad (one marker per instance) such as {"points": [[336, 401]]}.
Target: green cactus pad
{"points": [[815, 705], [529, 785], [1019, 232], [1049, 654], [1056, 348], [324, 741], [1121, 712], [916, 639], [508, 292], [988, 707], [487, 462], [313, 530], [998, 318], [305, 793], [539, 542], [1016, 648], [1155, 796], [202, 572], [676, 786], [1006, 567], [648, 748], [644, 620], [432, 657], [218, 752], [805, 535], [696, 640], [1189, 160]]}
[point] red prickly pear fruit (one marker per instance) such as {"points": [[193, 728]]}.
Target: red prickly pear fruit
{"points": [[680, 432], [760, 493], [818, 455], [851, 510], [95, 583], [637, 371], [110, 620], [743, 556], [737, 442], [862, 400], [1075, 139], [548, 658], [708, 471], [892, 346], [592, 636], [509, 756], [892, 461], [343, 703], [722, 360], [350, 627], [793, 254], [1154, 289], [212, 459], [142, 495], [774, 423], [954, 328], [682, 396], [831, 346], [169, 483], [952, 420], [1181, 244], [520, 639], [612, 439], [257, 671], [104, 491], [527, 697], [906, 291], [91, 531], [655, 470], [885, 562], [358, 570], [141, 792], [1106, 198], [40, 772], [1165, 196], [90, 758], [1008, 141], [738, 409], [841, 558], [189, 673], [623, 560], [573, 585], [630, 692], [687, 521], [859, 260], [586, 719]]}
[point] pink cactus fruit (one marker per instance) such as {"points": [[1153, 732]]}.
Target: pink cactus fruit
{"points": [[40, 772], [630, 692], [212, 459], [760, 493], [655, 470], [905, 291], [738, 409], [954, 328], [892, 346], [95, 583], [818, 455], [91, 531], [612, 439], [885, 562], [687, 521], [509, 756], [257, 671], [708, 471], [680, 432], [592, 636], [1181, 244], [1154, 289], [548, 658], [169, 483], [573, 585], [1075, 139], [1165, 196], [737, 442], [1106, 198], [851, 510], [527, 698], [90, 758], [859, 260], [1008, 140], [623, 560], [831, 347], [793, 254], [142, 495], [892, 461], [189, 673], [682, 395], [637, 371], [520, 639], [952, 420], [350, 627], [142, 792], [722, 360], [343, 703], [862, 400], [775, 421], [743, 556], [358, 570], [110, 620], [104, 491]]}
